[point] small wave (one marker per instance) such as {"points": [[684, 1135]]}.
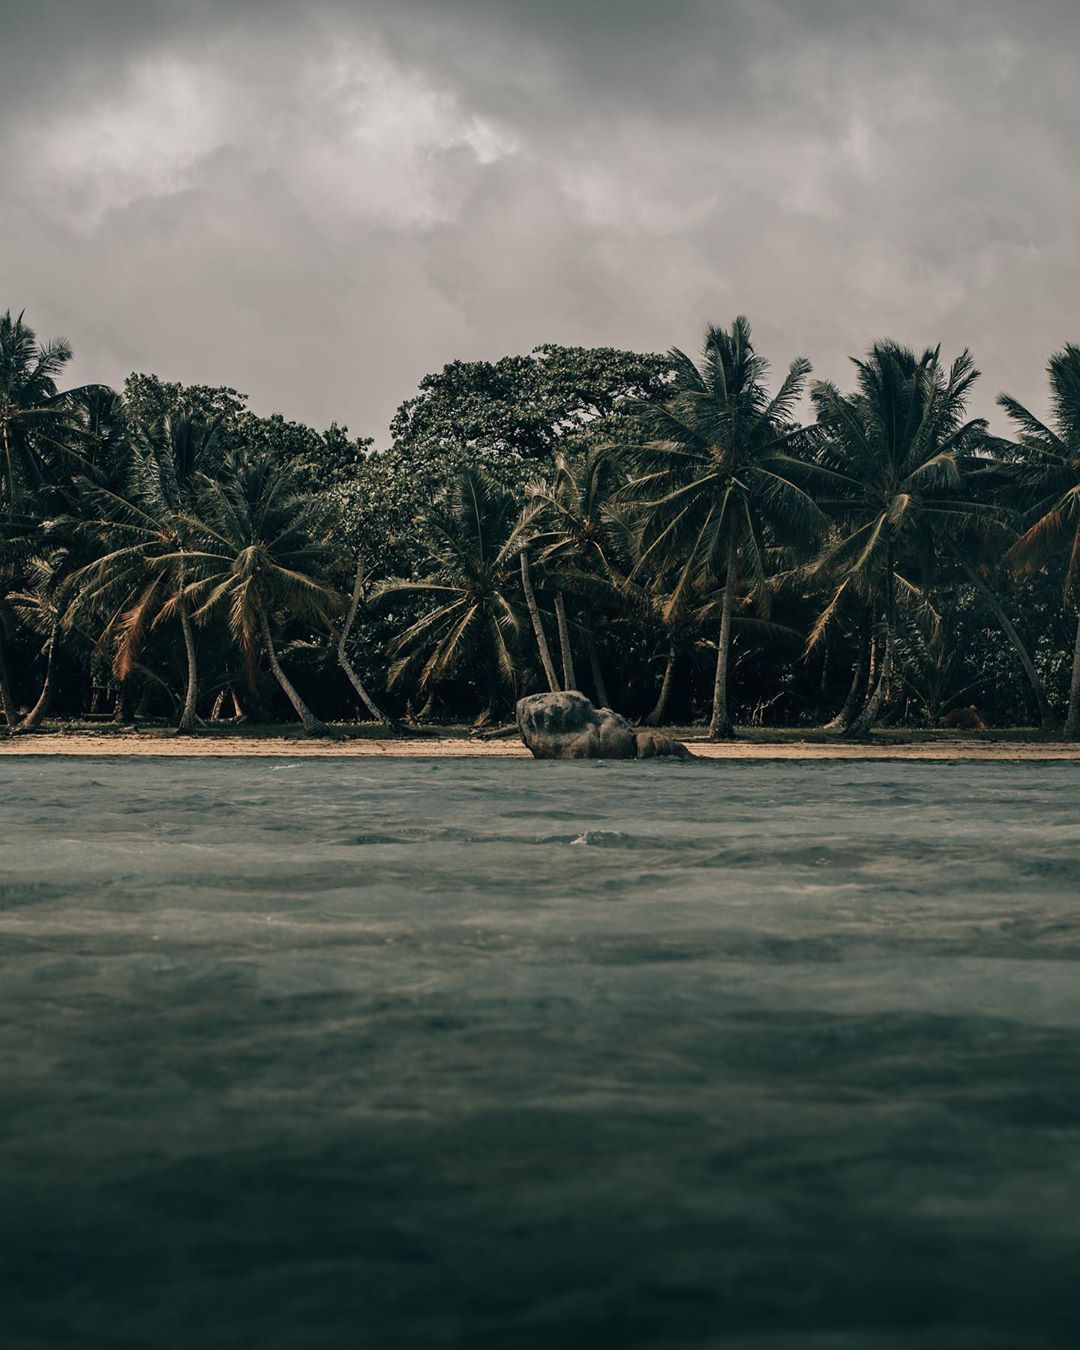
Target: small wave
{"points": [[605, 839]]}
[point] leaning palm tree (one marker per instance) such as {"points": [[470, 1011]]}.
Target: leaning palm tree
{"points": [[7, 624], [141, 575], [718, 473], [40, 604], [472, 565], [1046, 462], [891, 461], [342, 648], [261, 556]]}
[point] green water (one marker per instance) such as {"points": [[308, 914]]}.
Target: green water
{"points": [[501, 1054]]}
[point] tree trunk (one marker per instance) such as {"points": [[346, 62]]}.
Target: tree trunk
{"points": [[41, 707], [720, 727], [870, 714], [311, 724], [7, 703], [122, 707], [342, 656], [191, 690], [846, 715], [1072, 722], [876, 702], [994, 605], [594, 669], [538, 627], [10, 471], [656, 717], [569, 678]]}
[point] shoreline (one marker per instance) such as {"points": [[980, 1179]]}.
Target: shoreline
{"points": [[163, 743]]}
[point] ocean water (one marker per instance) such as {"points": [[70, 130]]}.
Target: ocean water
{"points": [[386, 1053]]}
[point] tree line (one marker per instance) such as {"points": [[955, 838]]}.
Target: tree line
{"points": [[674, 536]]}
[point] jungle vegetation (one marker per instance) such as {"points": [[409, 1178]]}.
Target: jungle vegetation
{"points": [[681, 537]]}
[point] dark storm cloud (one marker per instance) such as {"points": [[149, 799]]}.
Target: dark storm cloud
{"points": [[318, 204]]}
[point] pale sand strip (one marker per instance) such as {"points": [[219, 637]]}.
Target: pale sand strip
{"points": [[151, 743]]}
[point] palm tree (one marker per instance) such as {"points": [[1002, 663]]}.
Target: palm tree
{"points": [[978, 554], [891, 461], [34, 415], [719, 473], [1046, 463], [41, 605], [141, 576], [567, 519], [472, 553], [260, 555], [7, 621], [359, 580], [534, 616]]}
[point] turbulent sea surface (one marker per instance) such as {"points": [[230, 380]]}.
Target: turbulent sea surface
{"points": [[498, 1054]]}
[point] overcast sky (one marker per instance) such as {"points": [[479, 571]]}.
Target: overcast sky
{"points": [[318, 203]]}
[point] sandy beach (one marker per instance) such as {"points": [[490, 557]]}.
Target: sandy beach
{"points": [[160, 742]]}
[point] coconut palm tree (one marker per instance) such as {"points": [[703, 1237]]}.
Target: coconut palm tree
{"points": [[35, 417], [977, 552], [359, 583], [260, 555], [719, 472], [566, 519], [542, 647], [890, 474], [472, 561], [40, 604], [141, 575], [7, 623], [1045, 460]]}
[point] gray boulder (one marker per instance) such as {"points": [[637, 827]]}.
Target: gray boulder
{"points": [[567, 726]]}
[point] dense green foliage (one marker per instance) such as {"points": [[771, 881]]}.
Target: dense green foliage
{"points": [[660, 531]]}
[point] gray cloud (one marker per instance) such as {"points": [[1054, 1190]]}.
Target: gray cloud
{"points": [[319, 206]]}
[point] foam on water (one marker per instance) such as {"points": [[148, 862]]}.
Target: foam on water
{"points": [[501, 1054]]}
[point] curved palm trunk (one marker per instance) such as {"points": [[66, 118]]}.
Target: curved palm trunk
{"points": [[41, 707], [594, 668], [859, 678], [1072, 722], [720, 727], [311, 724], [7, 703], [569, 677], [191, 690], [656, 717], [538, 627], [342, 656], [994, 605]]}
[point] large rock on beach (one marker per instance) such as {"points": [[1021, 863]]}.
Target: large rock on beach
{"points": [[567, 726]]}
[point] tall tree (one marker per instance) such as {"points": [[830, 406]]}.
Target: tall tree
{"points": [[719, 472], [35, 416], [891, 462], [1046, 461], [142, 575], [262, 558], [567, 520]]}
